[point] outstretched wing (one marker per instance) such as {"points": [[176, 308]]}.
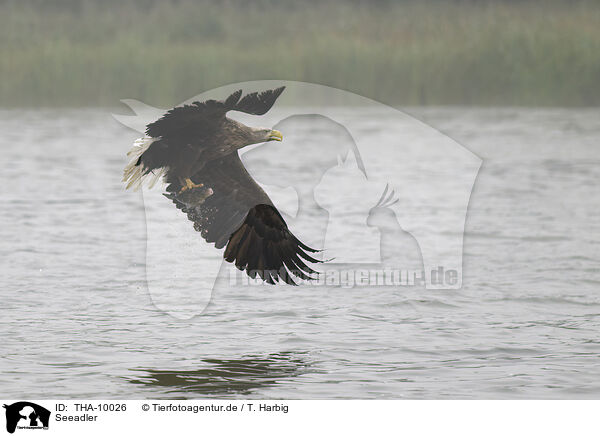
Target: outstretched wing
{"points": [[204, 116], [258, 104], [198, 116], [173, 140], [232, 210]]}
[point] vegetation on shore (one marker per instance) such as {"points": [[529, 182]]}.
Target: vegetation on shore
{"points": [[90, 53]]}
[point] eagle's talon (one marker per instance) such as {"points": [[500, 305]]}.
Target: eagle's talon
{"points": [[190, 185]]}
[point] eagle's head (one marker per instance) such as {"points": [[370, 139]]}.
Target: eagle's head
{"points": [[237, 135], [263, 135]]}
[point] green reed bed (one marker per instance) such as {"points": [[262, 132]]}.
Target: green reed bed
{"points": [[402, 53]]}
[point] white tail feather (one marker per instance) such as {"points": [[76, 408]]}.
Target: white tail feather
{"points": [[134, 174]]}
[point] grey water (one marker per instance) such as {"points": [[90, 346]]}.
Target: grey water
{"points": [[78, 321]]}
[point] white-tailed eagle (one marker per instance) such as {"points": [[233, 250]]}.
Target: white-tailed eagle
{"points": [[195, 149]]}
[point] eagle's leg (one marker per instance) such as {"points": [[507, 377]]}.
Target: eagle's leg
{"points": [[188, 184]]}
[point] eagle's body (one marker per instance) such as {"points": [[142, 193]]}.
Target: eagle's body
{"points": [[195, 148]]}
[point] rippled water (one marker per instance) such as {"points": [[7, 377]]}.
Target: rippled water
{"points": [[78, 321]]}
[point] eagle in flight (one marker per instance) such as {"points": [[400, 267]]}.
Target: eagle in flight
{"points": [[194, 148]]}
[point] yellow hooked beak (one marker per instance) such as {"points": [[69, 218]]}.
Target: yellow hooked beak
{"points": [[275, 135]]}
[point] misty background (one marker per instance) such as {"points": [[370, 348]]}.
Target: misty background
{"points": [[405, 52]]}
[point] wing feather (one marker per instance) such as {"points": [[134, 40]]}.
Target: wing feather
{"points": [[202, 116], [258, 103]]}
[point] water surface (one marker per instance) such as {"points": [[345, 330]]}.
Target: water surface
{"points": [[78, 321]]}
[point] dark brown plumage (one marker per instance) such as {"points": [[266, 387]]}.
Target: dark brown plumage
{"points": [[195, 147]]}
